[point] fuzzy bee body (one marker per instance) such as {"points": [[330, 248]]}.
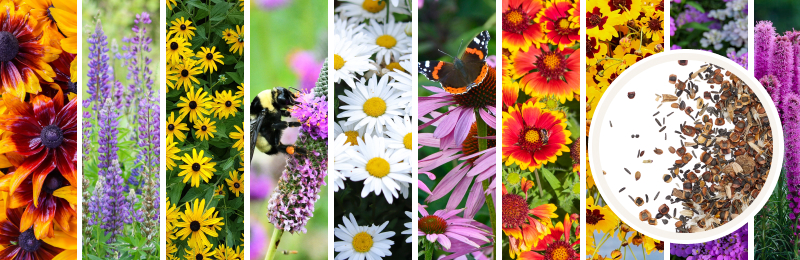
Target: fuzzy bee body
{"points": [[544, 135], [266, 121]]}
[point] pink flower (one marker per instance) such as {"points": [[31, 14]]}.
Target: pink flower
{"points": [[445, 227]]}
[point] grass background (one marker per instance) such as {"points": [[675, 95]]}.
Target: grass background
{"points": [[300, 25]]}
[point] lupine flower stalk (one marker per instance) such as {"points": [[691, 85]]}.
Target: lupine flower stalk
{"points": [[292, 203], [97, 85], [115, 206]]}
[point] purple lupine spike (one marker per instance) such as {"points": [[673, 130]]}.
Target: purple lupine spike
{"points": [[98, 66], [115, 206], [107, 140], [764, 38]]}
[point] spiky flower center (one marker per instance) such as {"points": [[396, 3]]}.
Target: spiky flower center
{"points": [[563, 26], [196, 167], [470, 144], [184, 73], [515, 210], [28, 241], [192, 104], [386, 41], [209, 56], [407, 141], [378, 167], [432, 224], [559, 250], [516, 20], [551, 65], [338, 62], [352, 137], [395, 66], [9, 46], [482, 95], [654, 25], [362, 242], [51, 136], [595, 19], [532, 140], [594, 216], [374, 107], [194, 226], [173, 46], [53, 182], [373, 6]]}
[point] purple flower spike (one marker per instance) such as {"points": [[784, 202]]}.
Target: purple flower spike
{"points": [[764, 37]]}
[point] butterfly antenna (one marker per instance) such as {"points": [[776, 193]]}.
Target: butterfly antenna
{"points": [[445, 53], [461, 44]]}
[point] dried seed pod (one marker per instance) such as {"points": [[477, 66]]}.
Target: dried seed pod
{"points": [[631, 94], [719, 121], [686, 157], [683, 62], [671, 149], [638, 175], [678, 194], [681, 151], [669, 98], [652, 222], [667, 178], [658, 151], [644, 215], [673, 78], [638, 201], [663, 209]]}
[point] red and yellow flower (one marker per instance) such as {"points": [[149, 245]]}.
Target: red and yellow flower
{"points": [[548, 72], [533, 135], [524, 231], [520, 28], [556, 245], [563, 28]]}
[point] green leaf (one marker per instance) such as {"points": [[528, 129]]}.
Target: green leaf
{"points": [[551, 179], [235, 76], [697, 26], [198, 5], [696, 6], [219, 11]]}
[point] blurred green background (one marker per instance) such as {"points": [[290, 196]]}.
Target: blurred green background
{"points": [[444, 25], [280, 29], [117, 18], [782, 13]]}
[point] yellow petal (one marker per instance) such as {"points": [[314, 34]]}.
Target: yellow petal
{"points": [[69, 193], [62, 240]]}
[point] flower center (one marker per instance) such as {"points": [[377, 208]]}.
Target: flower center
{"points": [[515, 209], [378, 167], [338, 62], [470, 144], [194, 226], [352, 137], [192, 104], [28, 241], [362, 242], [9, 46], [559, 250], [173, 46], [374, 107], [51, 136], [204, 128], [171, 127], [386, 41], [53, 182], [532, 140], [563, 24], [432, 224], [551, 65], [620, 5], [593, 216], [407, 141], [482, 95], [595, 18], [196, 167], [654, 25], [373, 6], [198, 257], [50, 14], [516, 20], [185, 73], [183, 27], [236, 185], [209, 56], [241, 39], [395, 66]]}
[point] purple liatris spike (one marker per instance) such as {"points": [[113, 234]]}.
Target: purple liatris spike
{"points": [[764, 38], [782, 65], [791, 112], [773, 86]]}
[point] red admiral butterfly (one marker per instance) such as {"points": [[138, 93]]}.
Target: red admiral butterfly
{"points": [[460, 76]]}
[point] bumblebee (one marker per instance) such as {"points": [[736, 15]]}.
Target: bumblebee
{"points": [[266, 121]]}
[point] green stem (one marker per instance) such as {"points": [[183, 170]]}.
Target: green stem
{"points": [[644, 256], [538, 183], [602, 241], [634, 255], [483, 144], [428, 249], [273, 243]]}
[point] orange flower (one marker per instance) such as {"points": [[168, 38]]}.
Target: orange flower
{"points": [[520, 31], [556, 245], [23, 58], [524, 231]]}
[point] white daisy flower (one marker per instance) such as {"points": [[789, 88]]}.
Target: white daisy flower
{"points": [[362, 242], [408, 225], [370, 9], [340, 164], [389, 39], [381, 169], [350, 131], [400, 133], [347, 28], [402, 77], [349, 59], [371, 104]]}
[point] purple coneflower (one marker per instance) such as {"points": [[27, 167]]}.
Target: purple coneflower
{"points": [[445, 227]]}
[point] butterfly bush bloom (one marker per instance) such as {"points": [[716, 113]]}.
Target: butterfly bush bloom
{"points": [[292, 203]]}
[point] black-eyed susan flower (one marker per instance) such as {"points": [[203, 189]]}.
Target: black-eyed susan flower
{"points": [[215, 226], [229, 35], [65, 14], [237, 135], [235, 183], [45, 24], [172, 154], [175, 128], [239, 91], [205, 129], [209, 58], [225, 104], [172, 216], [195, 221], [195, 104], [182, 28], [196, 167], [199, 252], [220, 190], [176, 48], [170, 3], [225, 253], [238, 44], [183, 74], [22, 244]]}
